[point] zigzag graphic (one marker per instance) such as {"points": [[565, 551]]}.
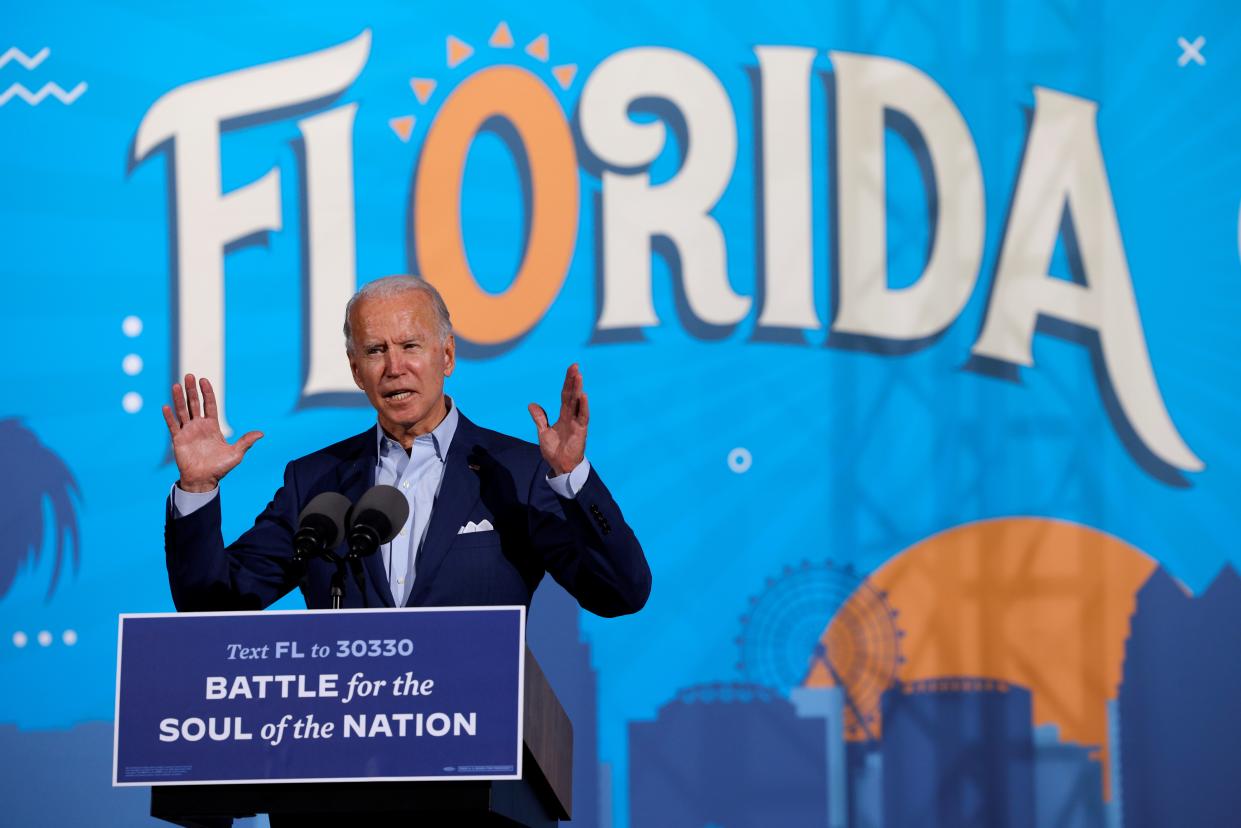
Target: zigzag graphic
{"points": [[34, 99], [18, 55]]}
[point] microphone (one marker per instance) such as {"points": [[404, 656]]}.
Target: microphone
{"points": [[375, 519], [320, 526]]}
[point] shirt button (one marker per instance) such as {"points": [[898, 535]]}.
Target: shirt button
{"points": [[402, 533], [400, 580], [405, 485]]}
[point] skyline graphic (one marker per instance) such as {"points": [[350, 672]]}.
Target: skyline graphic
{"points": [[1180, 744], [965, 749]]}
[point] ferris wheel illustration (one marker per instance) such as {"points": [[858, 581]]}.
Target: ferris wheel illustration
{"points": [[823, 624]]}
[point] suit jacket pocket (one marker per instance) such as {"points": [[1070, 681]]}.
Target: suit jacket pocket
{"points": [[471, 539]]}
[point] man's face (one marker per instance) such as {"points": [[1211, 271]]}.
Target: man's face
{"points": [[400, 361]]}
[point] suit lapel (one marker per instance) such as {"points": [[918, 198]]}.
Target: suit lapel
{"points": [[459, 492], [356, 477]]}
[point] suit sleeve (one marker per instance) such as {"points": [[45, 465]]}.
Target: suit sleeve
{"points": [[588, 547], [249, 574]]}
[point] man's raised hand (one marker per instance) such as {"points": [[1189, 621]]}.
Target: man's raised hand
{"points": [[203, 455], [564, 444]]}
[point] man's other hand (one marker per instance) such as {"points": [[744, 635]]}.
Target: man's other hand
{"points": [[564, 444], [203, 455]]}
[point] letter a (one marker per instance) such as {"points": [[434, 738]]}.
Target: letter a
{"points": [[1063, 169]]}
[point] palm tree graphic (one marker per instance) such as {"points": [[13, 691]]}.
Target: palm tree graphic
{"points": [[33, 474]]}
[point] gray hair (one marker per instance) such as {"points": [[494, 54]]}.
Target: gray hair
{"points": [[394, 286]]}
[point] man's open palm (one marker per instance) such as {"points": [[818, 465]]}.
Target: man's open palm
{"points": [[203, 455], [564, 444]]}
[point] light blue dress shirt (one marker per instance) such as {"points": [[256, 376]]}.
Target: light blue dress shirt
{"points": [[417, 474]]}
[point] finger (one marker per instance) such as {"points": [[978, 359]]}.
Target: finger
{"points": [[538, 415], [583, 410], [191, 397], [208, 398], [178, 403], [566, 390], [173, 426], [571, 391], [247, 440]]}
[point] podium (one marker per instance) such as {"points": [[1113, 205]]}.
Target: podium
{"points": [[541, 798], [302, 728]]}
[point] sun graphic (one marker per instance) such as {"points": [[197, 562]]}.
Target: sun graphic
{"points": [[458, 51], [1044, 604], [537, 132]]}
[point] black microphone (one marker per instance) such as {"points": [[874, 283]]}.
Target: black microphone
{"points": [[375, 519], [320, 526]]}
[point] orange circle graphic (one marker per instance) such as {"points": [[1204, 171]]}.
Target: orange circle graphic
{"points": [[1031, 601]]}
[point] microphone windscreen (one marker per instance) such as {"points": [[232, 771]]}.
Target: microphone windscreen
{"points": [[381, 505], [334, 507]]}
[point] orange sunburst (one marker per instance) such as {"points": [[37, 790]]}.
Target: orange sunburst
{"points": [[501, 38], [457, 51]]}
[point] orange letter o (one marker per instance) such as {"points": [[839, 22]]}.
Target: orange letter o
{"points": [[525, 102]]}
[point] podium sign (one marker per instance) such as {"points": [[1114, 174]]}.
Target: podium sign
{"points": [[351, 695]]}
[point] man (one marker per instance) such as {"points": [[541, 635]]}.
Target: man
{"points": [[489, 514]]}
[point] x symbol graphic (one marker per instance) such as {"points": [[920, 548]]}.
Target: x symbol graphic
{"points": [[1191, 51]]}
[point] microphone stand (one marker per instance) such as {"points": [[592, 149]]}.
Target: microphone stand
{"points": [[338, 584], [338, 577]]}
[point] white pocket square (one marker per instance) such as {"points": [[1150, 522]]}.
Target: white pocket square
{"points": [[483, 525]]}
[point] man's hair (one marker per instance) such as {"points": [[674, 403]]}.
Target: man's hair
{"points": [[394, 286]]}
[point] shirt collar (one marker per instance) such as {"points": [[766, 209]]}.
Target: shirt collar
{"points": [[440, 436]]}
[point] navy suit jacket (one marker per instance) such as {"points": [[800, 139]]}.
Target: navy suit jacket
{"points": [[584, 543]]}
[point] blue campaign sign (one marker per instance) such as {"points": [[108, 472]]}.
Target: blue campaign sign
{"points": [[355, 695]]}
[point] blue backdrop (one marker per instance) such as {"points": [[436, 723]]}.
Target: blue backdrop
{"points": [[906, 330]]}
